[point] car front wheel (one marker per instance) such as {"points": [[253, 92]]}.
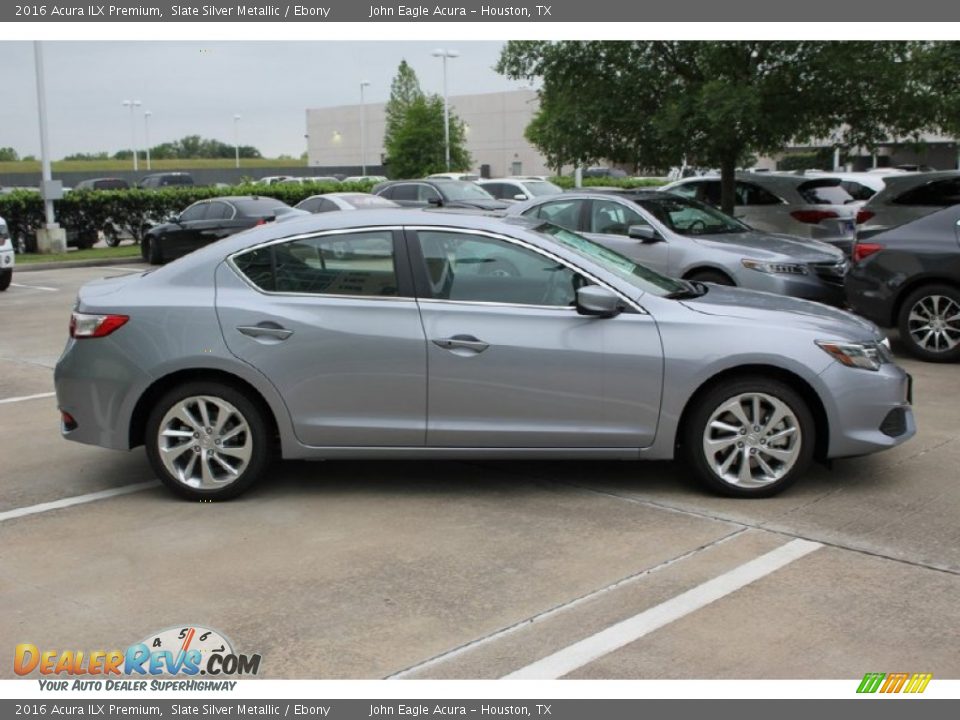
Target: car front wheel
{"points": [[207, 441], [929, 323], [749, 438], [6, 276]]}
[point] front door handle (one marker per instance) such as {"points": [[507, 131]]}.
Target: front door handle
{"points": [[461, 342], [266, 331]]}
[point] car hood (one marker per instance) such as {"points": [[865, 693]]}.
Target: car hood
{"points": [[478, 204], [769, 310], [769, 245]]}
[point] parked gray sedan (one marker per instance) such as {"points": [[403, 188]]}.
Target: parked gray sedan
{"points": [[688, 239], [397, 334]]}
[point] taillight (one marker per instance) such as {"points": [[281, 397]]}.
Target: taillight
{"points": [[83, 325], [863, 250], [260, 221], [813, 216], [863, 216]]}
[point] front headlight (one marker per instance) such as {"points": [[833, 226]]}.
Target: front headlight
{"points": [[868, 356], [775, 268]]}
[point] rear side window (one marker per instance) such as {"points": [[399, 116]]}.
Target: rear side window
{"points": [[750, 194], [404, 192], [940, 193], [360, 264], [565, 213]]}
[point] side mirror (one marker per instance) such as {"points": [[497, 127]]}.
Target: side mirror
{"points": [[435, 201], [519, 196], [598, 302], [644, 233]]}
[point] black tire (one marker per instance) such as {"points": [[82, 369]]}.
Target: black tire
{"points": [[750, 448], [711, 276], [937, 295], [145, 249], [154, 251], [112, 240], [6, 277], [259, 439], [85, 242]]}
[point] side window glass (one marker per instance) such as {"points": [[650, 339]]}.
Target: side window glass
{"points": [[612, 218], [425, 193], [565, 213], [475, 268], [750, 194], [710, 193], [404, 192], [353, 264], [941, 193], [687, 190], [218, 211], [195, 212]]}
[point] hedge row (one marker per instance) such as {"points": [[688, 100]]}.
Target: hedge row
{"points": [[130, 213]]}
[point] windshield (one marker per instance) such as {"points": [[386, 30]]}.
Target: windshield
{"points": [[689, 217], [463, 191], [541, 187], [637, 275]]}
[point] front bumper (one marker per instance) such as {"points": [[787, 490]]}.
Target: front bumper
{"points": [[867, 411], [805, 287]]}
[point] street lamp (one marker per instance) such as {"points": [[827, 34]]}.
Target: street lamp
{"points": [[146, 135], [363, 129], [446, 107], [236, 140], [133, 129]]}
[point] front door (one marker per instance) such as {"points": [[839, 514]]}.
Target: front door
{"points": [[510, 362]]}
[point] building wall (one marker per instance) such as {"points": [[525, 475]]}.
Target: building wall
{"points": [[495, 123]]}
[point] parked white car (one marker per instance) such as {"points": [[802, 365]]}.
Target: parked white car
{"points": [[454, 176], [6, 256], [811, 207]]}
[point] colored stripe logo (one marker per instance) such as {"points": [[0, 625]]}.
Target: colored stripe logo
{"points": [[894, 682]]}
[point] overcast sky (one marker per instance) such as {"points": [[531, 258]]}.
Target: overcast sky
{"points": [[197, 87]]}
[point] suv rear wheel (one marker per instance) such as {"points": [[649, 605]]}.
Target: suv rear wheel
{"points": [[929, 323]]}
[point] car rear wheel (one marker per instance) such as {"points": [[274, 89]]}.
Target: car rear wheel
{"points": [[929, 323], [6, 277], [112, 240], [711, 276], [207, 441], [749, 438]]}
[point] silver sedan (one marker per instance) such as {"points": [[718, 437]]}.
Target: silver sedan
{"points": [[397, 334], [687, 239]]}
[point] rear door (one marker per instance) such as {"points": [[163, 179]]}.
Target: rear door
{"points": [[332, 322]]}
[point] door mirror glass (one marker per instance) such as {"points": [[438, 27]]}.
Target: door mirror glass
{"points": [[598, 301]]}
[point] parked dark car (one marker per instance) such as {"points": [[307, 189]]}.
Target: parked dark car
{"points": [[107, 183], [909, 277], [207, 221], [170, 179], [438, 193]]}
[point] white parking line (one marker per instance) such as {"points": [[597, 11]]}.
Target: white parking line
{"points": [[35, 287], [623, 633], [76, 500], [26, 397]]}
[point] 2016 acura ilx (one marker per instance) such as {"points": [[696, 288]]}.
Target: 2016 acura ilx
{"points": [[386, 333]]}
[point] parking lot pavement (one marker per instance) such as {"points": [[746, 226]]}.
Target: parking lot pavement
{"points": [[459, 569]]}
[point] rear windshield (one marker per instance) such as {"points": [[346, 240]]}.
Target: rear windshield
{"points": [[259, 207], [828, 191], [176, 180]]}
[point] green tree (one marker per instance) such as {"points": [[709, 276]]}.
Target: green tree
{"points": [[414, 137], [715, 103], [8, 154], [416, 147]]}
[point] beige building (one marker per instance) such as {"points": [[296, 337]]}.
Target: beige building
{"points": [[495, 123]]}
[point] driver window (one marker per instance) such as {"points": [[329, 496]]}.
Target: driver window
{"points": [[613, 218], [427, 193], [194, 212], [476, 268]]}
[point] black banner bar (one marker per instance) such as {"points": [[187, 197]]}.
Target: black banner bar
{"points": [[323, 11]]}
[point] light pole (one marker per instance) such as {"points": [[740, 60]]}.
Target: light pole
{"points": [[133, 129], [446, 106], [146, 135], [236, 140], [363, 129]]}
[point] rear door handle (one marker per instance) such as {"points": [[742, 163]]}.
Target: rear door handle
{"points": [[461, 342], [266, 330]]}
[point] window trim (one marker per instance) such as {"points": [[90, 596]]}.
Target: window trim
{"points": [[421, 282], [401, 264]]}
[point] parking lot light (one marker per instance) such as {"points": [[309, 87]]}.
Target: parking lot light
{"points": [[363, 129], [441, 53], [133, 129], [146, 135], [236, 140]]}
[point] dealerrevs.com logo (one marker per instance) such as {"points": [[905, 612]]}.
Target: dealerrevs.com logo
{"points": [[189, 652], [898, 682]]}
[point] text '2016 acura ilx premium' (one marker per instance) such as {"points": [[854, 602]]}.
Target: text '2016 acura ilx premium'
{"points": [[386, 333]]}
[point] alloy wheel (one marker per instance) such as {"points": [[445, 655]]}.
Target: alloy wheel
{"points": [[934, 323]]}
